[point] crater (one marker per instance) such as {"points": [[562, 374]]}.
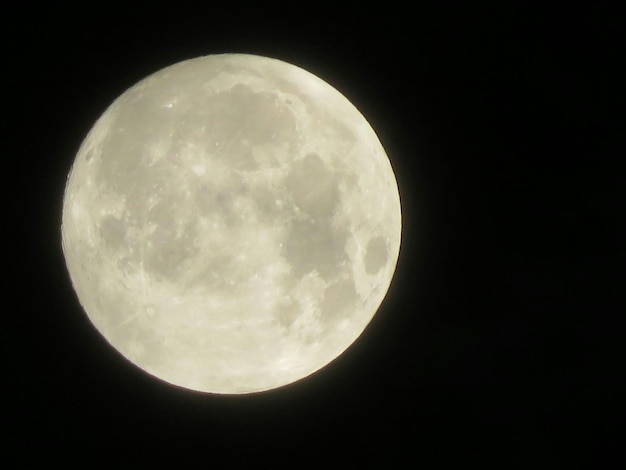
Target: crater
{"points": [[376, 255]]}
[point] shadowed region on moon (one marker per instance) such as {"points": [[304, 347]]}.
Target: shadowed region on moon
{"points": [[313, 242], [313, 187], [244, 119], [231, 224], [376, 255]]}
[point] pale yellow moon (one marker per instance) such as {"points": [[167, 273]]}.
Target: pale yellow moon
{"points": [[231, 224]]}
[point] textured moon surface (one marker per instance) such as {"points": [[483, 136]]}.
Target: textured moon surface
{"points": [[231, 224]]}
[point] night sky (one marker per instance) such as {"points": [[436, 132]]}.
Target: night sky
{"points": [[499, 340]]}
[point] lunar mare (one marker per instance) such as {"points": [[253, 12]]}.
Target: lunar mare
{"points": [[231, 224]]}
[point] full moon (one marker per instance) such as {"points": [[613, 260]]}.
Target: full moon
{"points": [[231, 224]]}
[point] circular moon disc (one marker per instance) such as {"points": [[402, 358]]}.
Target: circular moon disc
{"points": [[231, 224]]}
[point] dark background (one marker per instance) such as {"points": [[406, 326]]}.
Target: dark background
{"points": [[499, 341]]}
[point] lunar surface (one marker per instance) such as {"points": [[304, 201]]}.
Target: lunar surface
{"points": [[231, 224]]}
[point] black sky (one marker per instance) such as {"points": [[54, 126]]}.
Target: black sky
{"points": [[499, 341]]}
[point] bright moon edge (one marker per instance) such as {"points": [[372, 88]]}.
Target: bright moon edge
{"points": [[231, 224]]}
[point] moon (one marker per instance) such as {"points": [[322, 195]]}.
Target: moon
{"points": [[231, 224]]}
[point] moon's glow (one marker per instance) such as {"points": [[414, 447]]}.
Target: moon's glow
{"points": [[231, 224]]}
